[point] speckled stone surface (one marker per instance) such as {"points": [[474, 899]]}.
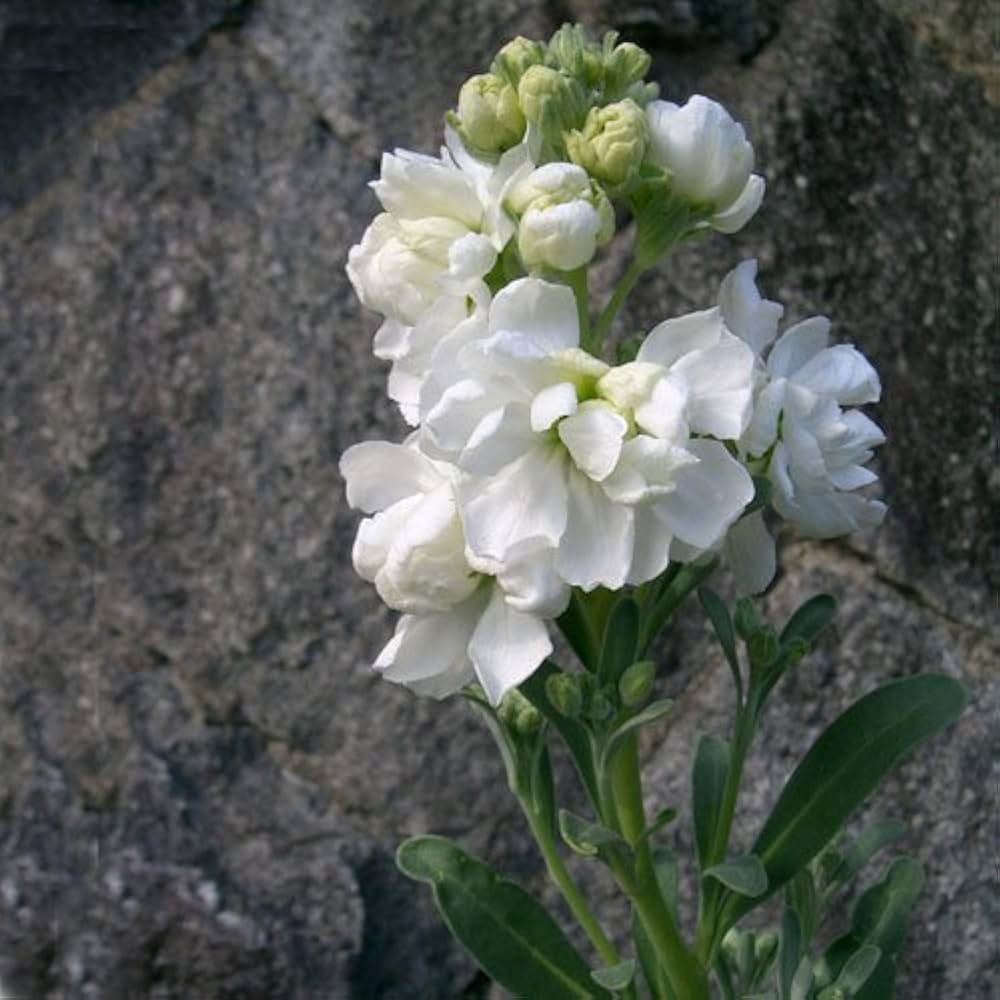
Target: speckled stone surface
{"points": [[201, 783]]}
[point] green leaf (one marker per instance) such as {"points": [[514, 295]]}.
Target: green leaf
{"points": [[615, 977], [810, 620], [575, 626], [507, 931], [763, 490], [650, 714], [802, 896], [791, 951], [670, 598], [802, 981], [882, 914], [858, 968], [879, 835], [658, 822], [589, 838], [744, 875], [668, 877], [573, 733], [718, 615], [844, 766], [708, 783], [621, 635]]}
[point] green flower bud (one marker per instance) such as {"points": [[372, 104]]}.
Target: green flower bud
{"points": [[528, 721], [489, 115], [515, 58], [636, 683], [601, 705], [832, 993], [565, 694], [612, 143], [512, 707], [794, 650], [745, 618], [738, 948], [551, 100], [627, 64], [764, 648]]}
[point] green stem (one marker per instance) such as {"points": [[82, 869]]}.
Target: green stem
{"points": [[686, 976], [577, 280], [708, 919], [570, 892], [607, 317]]}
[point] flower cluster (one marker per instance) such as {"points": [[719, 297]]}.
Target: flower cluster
{"points": [[536, 466]]}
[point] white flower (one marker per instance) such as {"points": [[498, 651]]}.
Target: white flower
{"points": [[813, 450], [598, 463], [709, 159], [464, 620], [564, 217]]}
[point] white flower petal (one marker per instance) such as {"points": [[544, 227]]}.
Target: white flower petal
{"points": [[741, 211], [593, 436], [841, 373], [506, 647], [526, 499], [429, 653], [457, 414], [392, 340], [501, 437], [530, 582], [664, 414], [851, 477], [646, 469], [762, 431], [597, 547], [651, 548], [797, 345], [562, 236], [673, 338], [551, 404], [544, 313], [415, 186], [749, 316], [378, 474], [709, 496], [720, 381], [749, 551], [831, 513], [471, 256]]}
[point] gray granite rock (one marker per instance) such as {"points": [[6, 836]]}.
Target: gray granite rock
{"points": [[202, 784]]}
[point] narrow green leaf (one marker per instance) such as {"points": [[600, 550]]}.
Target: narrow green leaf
{"points": [[877, 836], [573, 733], [667, 876], [621, 635], [802, 981], [882, 914], [858, 968], [658, 822], [575, 626], [790, 953], [507, 931], [744, 875], [810, 620], [802, 896], [586, 837], [615, 977], [708, 783], [671, 598], [718, 615], [650, 714], [844, 766]]}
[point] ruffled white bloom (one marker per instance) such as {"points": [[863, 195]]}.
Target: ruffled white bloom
{"points": [[463, 620], [597, 462], [564, 217], [422, 262], [709, 158], [813, 450]]}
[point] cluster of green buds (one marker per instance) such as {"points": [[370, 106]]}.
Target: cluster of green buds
{"points": [[583, 696], [557, 87]]}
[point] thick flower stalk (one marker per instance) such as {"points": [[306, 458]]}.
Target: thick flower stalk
{"points": [[553, 477]]}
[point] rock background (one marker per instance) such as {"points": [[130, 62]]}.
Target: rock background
{"points": [[201, 784]]}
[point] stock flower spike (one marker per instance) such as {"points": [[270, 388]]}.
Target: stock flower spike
{"points": [[551, 480]]}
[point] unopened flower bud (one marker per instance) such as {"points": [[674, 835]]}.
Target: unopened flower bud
{"points": [[489, 115], [612, 143], [512, 707], [528, 721], [738, 947], [551, 99], [516, 57], [764, 648], [636, 683], [627, 64], [601, 705], [565, 694], [746, 619]]}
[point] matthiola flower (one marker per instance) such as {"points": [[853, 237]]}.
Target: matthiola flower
{"points": [[813, 450], [564, 217], [597, 462], [464, 620], [709, 159]]}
